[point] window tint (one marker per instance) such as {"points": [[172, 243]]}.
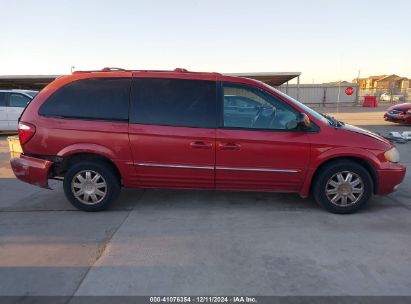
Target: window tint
{"points": [[96, 98], [251, 108], [18, 100], [2, 99], [174, 102]]}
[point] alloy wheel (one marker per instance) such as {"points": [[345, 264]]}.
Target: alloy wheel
{"points": [[344, 189], [89, 187]]}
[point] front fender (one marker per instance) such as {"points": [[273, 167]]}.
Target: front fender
{"points": [[321, 155]]}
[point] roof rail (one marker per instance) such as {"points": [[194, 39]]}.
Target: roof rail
{"points": [[108, 69], [113, 69], [180, 70]]}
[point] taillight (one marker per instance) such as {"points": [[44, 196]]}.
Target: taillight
{"points": [[26, 131]]}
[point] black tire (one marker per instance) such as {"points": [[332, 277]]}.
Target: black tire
{"points": [[321, 185], [108, 176]]}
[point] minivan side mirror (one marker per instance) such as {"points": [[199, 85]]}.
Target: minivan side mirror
{"points": [[303, 121]]}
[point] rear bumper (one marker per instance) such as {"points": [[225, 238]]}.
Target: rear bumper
{"points": [[31, 170], [390, 179]]}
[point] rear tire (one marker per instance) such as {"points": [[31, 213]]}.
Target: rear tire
{"points": [[91, 185], [343, 187]]}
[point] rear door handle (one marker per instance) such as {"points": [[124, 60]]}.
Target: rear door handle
{"points": [[229, 146], [201, 145]]}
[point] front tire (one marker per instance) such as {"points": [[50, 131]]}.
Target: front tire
{"points": [[91, 185], [343, 187]]}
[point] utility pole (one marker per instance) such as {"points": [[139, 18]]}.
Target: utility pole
{"points": [[358, 88], [338, 97], [339, 85]]}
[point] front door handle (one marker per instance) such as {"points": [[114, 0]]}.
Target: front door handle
{"points": [[229, 146], [201, 145]]}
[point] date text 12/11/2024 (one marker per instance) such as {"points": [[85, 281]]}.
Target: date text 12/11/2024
{"points": [[203, 299]]}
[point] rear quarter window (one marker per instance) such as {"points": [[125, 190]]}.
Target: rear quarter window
{"points": [[94, 99]]}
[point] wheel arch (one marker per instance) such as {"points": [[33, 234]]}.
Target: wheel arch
{"points": [[75, 158], [359, 160]]}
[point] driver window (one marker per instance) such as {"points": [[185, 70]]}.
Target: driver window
{"points": [[251, 108]]}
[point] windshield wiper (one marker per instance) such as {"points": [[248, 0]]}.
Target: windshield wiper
{"points": [[334, 122]]}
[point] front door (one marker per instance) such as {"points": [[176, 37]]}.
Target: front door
{"points": [[172, 132], [258, 146]]}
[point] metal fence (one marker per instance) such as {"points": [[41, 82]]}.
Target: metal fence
{"points": [[323, 94], [386, 95]]}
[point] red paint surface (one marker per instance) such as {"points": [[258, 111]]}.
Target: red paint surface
{"points": [[370, 102], [130, 145], [31, 170]]}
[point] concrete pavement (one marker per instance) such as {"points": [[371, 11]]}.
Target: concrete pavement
{"points": [[162, 242]]}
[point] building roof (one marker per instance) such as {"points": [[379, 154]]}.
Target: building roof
{"points": [[271, 78], [337, 82], [388, 76], [35, 82], [376, 77]]}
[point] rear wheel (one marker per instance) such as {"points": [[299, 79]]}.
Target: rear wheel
{"points": [[91, 185], [343, 187]]}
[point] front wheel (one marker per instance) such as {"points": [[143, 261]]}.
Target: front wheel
{"points": [[343, 187], [91, 185]]}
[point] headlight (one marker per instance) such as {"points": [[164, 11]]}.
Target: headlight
{"points": [[392, 155]]}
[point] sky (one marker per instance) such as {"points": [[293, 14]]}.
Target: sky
{"points": [[324, 40]]}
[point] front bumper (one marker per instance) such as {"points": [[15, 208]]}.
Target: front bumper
{"points": [[31, 170], [390, 179], [396, 118]]}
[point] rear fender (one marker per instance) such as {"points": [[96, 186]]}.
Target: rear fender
{"points": [[86, 148]]}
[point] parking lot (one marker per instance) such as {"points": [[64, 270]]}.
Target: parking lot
{"points": [[163, 242]]}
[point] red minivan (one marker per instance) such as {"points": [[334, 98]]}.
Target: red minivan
{"points": [[100, 130]]}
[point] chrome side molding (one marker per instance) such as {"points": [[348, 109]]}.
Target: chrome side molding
{"points": [[175, 166], [218, 168], [258, 169]]}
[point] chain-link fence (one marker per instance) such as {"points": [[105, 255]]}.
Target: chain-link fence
{"points": [[386, 95]]}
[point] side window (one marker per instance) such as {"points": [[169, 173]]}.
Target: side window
{"points": [[251, 108], [2, 99], [173, 102], [18, 100], [94, 98]]}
